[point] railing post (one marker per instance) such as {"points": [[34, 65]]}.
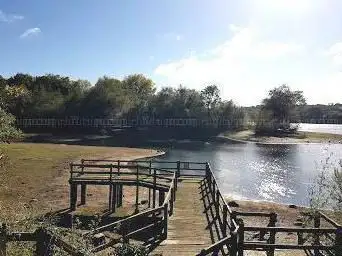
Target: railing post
{"points": [[82, 167], [44, 243], [149, 190], [171, 202], [241, 237], [161, 197], [213, 191], [110, 198], [178, 169], [165, 220], [118, 168], [3, 239], [137, 192], [154, 187], [174, 189], [217, 203], [225, 220], [338, 241], [124, 230], [271, 240], [111, 172], [83, 194], [73, 196], [317, 224]]}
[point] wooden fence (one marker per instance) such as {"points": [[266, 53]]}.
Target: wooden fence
{"points": [[234, 234]]}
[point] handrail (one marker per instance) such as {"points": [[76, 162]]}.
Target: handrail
{"points": [[233, 220], [117, 223], [215, 247]]}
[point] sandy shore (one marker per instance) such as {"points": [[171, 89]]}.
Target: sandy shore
{"points": [[248, 136]]}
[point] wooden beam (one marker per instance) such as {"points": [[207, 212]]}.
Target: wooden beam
{"points": [[83, 194]]}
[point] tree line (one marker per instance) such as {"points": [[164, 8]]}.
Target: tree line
{"points": [[134, 96]]}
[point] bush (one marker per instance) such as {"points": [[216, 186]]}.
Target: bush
{"points": [[130, 250], [326, 192]]}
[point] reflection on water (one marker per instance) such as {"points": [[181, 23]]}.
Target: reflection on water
{"points": [[280, 173]]}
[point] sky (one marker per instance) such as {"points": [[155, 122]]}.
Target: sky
{"points": [[245, 47]]}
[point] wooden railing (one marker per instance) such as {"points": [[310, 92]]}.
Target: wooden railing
{"points": [[155, 219], [233, 230], [44, 239]]}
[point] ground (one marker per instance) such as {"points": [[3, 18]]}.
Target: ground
{"points": [[36, 176], [300, 137]]}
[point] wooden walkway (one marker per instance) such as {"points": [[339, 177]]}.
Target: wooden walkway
{"points": [[187, 233]]}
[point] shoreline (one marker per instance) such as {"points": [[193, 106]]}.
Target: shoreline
{"points": [[248, 137]]}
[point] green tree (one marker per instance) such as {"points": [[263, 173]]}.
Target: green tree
{"points": [[140, 90], [282, 102], [211, 99]]}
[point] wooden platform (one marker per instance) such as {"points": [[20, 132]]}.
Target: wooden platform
{"points": [[187, 233]]}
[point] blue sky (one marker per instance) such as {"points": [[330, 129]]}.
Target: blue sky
{"points": [[245, 46]]}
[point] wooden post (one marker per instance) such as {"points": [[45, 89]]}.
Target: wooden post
{"points": [[3, 239], [114, 197], [73, 196], [137, 192], [118, 167], [241, 237], [161, 197], [110, 198], [125, 230], [174, 189], [178, 169], [300, 238], [44, 243], [83, 194], [111, 172], [217, 203], [154, 187], [338, 241], [171, 202], [149, 189], [82, 167], [213, 191], [317, 224], [225, 220], [271, 240], [165, 220], [120, 195]]}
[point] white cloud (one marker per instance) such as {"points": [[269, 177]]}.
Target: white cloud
{"points": [[30, 32], [9, 18], [335, 51], [234, 65]]}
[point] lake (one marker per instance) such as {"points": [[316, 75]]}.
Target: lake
{"points": [[279, 173]]}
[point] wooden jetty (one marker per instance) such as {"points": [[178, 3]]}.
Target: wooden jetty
{"points": [[186, 214]]}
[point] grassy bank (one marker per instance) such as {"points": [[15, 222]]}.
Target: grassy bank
{"points": [[300, 137], [36, 175]]}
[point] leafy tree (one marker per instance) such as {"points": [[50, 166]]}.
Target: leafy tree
{"points": [[282, 101], [8, 132], [140, 90], [107, 98], [210, 96]]}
